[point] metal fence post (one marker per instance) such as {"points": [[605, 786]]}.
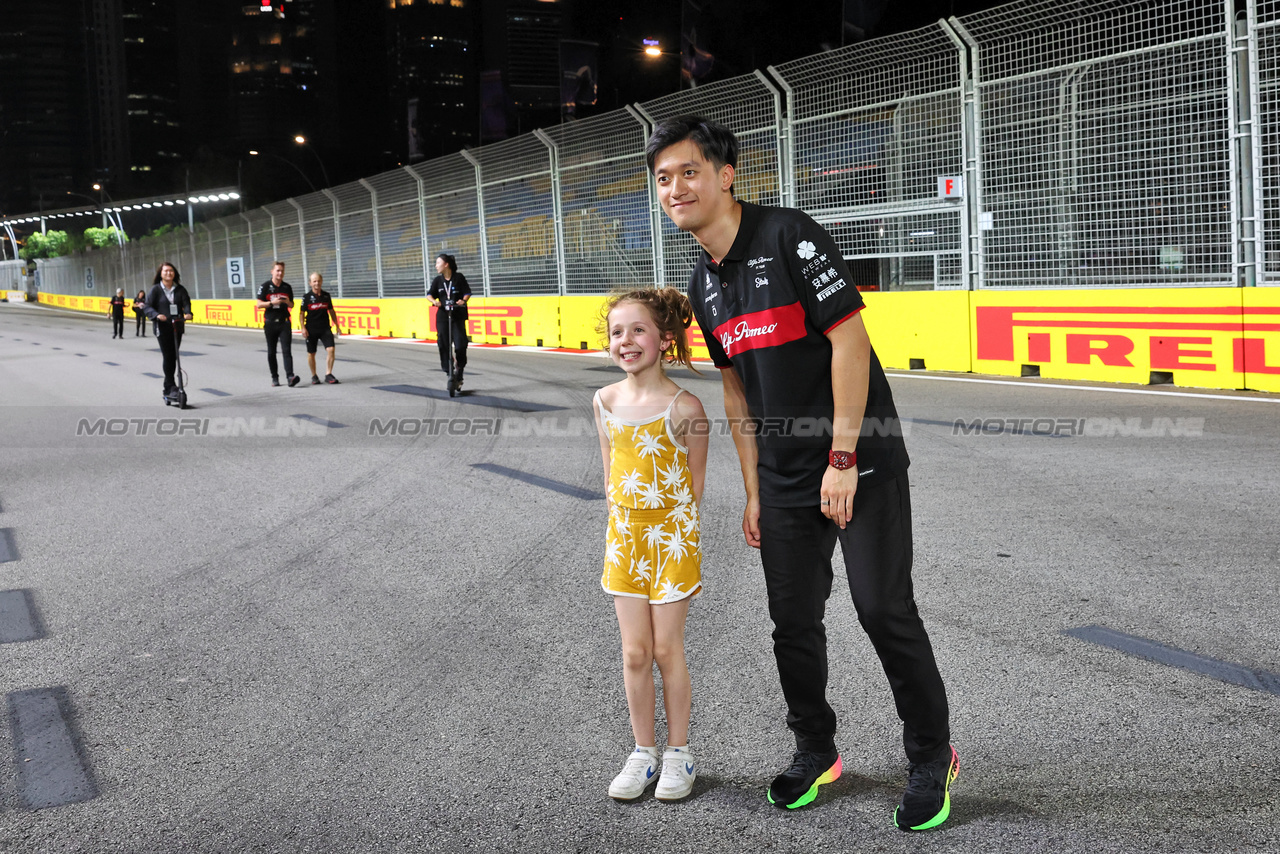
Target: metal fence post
{"points": [[377, 236], [655, 207], [302, 237], [337, 236], [248, 231], [422, 230], [972, 135], [195, 268], [484, 234], [556, 211], [786, 145]]}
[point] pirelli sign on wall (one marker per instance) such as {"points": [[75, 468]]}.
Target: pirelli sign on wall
{"points": [[1206, 337]]}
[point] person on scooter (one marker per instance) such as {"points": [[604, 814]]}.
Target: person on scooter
{"points": [[450, 287], [168, 306]]}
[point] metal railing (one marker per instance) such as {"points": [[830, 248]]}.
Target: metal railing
{"points": [[1045, 144]]}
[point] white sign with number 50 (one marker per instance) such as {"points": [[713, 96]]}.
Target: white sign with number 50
{"points": [[235, 272]]}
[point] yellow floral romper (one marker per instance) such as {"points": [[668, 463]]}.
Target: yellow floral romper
{"points": [[651, 548]]}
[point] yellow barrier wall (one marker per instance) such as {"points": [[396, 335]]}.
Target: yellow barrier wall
{"points": [[928, 325], [1258, 348], [1207, 337], [578, 317]]}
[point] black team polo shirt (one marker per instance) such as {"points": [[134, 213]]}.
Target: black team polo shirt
{"points": [[273, 313], [765, 309], [315, 310]]}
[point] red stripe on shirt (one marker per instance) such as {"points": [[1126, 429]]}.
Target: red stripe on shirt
{"points": [[827, 331], [768, 328]]}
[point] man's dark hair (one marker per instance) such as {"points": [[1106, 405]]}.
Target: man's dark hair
{"points": [[716, 142]]}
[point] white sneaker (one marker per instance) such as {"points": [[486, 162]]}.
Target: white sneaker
{"points": [[678, 774], [641, 770]]}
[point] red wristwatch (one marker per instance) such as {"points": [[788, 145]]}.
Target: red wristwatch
{"points": [[842, 460]]}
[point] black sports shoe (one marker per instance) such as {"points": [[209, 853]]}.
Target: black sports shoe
{"points": [[927, 801], [330, 379], [798, 785], [294, 380], [315, 380], [275, 381]]}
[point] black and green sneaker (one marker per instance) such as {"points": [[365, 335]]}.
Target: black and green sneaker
{"points": [[798, 785], [927, 801]]}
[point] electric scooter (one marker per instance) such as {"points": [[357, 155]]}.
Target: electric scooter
{"points": [[455, 384], [177, 397]]}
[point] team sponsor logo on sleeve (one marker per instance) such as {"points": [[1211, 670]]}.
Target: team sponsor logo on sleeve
{"points": [[827, 283], [806, 250], [768, 328]]}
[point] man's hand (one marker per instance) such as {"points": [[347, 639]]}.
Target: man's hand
{"points": [[838, 489], [751, 522], [162, 318], [188, 317]]}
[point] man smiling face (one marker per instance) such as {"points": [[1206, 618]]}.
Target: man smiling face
{"points": [[692, 190]]}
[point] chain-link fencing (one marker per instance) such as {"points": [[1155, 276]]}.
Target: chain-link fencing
{"points": [[1042, 144]]}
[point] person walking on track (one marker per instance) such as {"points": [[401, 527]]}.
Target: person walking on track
{"points": [[275, 297], [653, 439], [781, 318]]}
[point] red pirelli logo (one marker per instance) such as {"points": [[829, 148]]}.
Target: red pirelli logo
{"points": [[500, 320], [1172, 338], [366, 317], [219, 312]]}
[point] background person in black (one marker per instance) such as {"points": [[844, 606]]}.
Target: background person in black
{"points": [[782, 321], [117, 314], [276, 297], [313, 320], [450, 286], [168, 306], [140, 316]]}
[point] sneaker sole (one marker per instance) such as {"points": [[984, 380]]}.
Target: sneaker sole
{"points": [[678, 795], [626, 798], [953, 771], [830, 775]]}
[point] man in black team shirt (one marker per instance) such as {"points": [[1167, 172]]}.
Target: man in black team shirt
{"points": [[317, 308], [276, 297], [775, 302]]}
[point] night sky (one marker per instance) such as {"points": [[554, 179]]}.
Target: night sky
{"points": [[743, 35]]}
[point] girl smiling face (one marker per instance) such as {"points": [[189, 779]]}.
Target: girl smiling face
{"points": [[634, 341]]}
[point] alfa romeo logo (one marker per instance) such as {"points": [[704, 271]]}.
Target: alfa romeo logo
{"points": [[806, 250]]}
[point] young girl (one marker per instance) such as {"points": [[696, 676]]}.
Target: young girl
{"points": [[653, 436]]}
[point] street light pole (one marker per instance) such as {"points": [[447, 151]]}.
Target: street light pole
{"points": [[291, 164], [305, 143]]}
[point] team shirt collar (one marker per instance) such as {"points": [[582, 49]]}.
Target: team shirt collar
{"points": [[751, 215]]}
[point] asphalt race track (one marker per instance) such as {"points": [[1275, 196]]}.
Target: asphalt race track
{"points": [[366, 617]]}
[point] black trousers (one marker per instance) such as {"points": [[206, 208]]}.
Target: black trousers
{"points": [[282, 332], [141, 325], [458, 333], [165, 332], [796, 545], [117, 324]]}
